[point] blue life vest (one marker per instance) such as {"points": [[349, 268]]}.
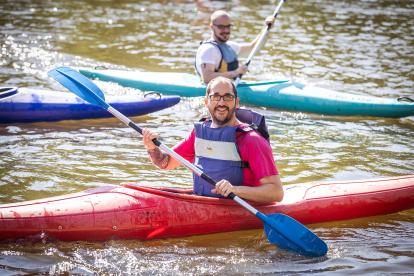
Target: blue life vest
{"points": [[229, 61], [217, 153]]}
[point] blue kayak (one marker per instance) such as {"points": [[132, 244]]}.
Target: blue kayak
{"points": [[284, 94], [28, 105]]}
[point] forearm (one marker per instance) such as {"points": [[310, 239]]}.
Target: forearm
{"points": [[264, 193], [247, 48], [159, 158], [253, 43]]}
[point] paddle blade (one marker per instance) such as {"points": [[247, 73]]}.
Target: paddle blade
{"points": [[292, 236], [79, 84]]}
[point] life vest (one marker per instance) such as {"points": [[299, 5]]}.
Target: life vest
{"points": [[217, 153], [229, 61]]}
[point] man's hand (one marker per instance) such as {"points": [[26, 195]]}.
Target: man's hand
{"points": [[149, 135], [247, 48], [243, 69], [224, 188], [270, 190], [160, 159], [270, 20]]}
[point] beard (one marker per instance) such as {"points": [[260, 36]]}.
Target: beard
{"points": [[222, 120], [219, 39]]}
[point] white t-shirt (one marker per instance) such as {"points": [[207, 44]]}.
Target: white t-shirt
{"points": [[210, 54]]}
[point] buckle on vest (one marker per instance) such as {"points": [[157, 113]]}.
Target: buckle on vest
{"points": [[244, 164]]}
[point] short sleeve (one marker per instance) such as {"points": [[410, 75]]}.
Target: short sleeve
{"points": [[257, 152], [209, 54]]}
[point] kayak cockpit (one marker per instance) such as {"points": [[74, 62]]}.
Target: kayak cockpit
{"points": [[8, 91], [188, 195]]}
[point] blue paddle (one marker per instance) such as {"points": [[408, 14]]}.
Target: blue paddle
{"points": [[259, 43], [279, 228]]}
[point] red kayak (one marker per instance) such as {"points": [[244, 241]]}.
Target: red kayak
{"points": [[130, 211]]}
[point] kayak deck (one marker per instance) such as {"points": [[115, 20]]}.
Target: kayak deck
{"points": [[142, 212]]}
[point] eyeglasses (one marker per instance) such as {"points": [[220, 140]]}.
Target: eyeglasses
{"points": [[217, 98], [222, 27]]}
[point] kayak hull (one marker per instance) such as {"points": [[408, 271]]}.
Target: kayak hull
{"points": [[283, 94], [27, 105], [130, 211]]}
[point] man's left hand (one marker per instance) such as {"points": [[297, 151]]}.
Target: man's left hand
{"points": [[224, 188], [270, 20]]}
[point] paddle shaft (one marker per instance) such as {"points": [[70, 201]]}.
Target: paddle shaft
{"points": [[180, 159], [260, 41]]}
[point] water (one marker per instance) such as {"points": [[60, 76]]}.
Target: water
{"points": [[360, 47]]}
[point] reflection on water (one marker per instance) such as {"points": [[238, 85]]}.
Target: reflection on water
{"points": [[361, 47]]}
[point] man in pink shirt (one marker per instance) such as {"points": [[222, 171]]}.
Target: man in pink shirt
{"points": [[205, 147]]}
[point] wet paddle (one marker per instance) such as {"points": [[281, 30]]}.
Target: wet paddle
{"points": [[279, 228], [259, 42]]}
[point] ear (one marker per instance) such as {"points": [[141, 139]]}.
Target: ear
{"points": [[211, 26], [237, 102], [206, 101]]}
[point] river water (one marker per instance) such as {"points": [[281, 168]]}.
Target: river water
{"points": [[361, 47]]}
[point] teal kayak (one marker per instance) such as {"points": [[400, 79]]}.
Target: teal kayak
{"points": [[284, 94]]}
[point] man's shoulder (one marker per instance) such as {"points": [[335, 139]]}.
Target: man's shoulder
{"points": [[207, 44], [213, 44], [208, 48], [254, 136]]}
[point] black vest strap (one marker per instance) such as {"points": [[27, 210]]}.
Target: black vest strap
{"points": [[244, 164], [251, 127], [259, 129]]}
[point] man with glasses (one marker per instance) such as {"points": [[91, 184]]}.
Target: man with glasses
{"points": [[218, 56], [225, 149]]}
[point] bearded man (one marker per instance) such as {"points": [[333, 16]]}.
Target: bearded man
{"points": [[224, 148], [218, 56]]}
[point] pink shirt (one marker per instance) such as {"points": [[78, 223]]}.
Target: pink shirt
{"points": [[253, 148]]}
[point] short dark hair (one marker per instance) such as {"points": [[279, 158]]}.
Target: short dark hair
{"points": [[220, 79]]}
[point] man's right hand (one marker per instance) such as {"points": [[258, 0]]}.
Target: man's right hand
{"points": [[160, 159], [149, 135]]}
